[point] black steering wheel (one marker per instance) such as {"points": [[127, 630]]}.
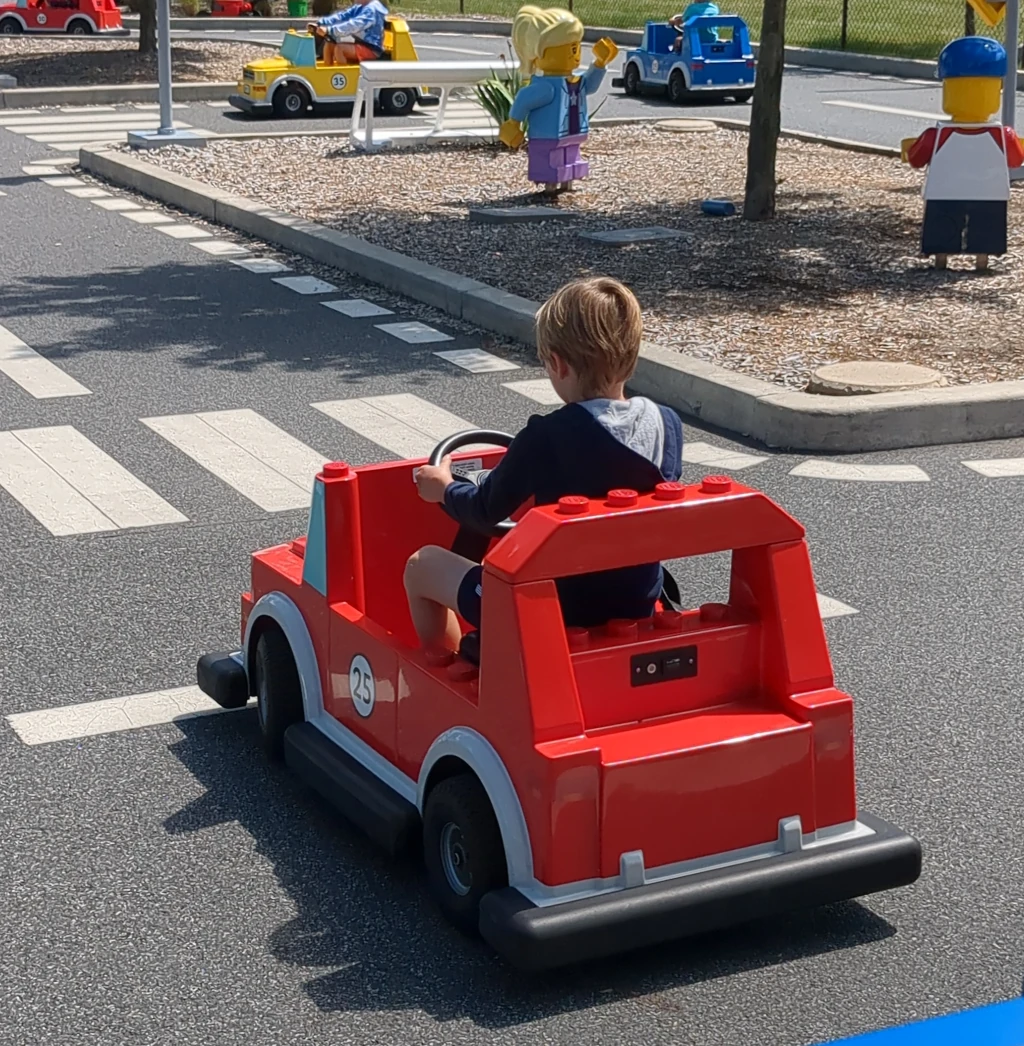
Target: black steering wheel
{"points": [[461, 439]]}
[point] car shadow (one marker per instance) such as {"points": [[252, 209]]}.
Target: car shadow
{"points": [[370, 936]]}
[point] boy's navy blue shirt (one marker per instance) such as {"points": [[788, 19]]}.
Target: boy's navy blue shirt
{"points": [[570, 452]]}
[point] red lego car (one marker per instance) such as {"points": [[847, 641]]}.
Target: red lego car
{"points": [[576, 793], [77, 17]]}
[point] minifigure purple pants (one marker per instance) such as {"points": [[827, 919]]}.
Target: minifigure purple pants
{"points": [[556, 159]]}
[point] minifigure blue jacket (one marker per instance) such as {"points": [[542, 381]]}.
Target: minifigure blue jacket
{"points": [[363, 21], [545, 101]]}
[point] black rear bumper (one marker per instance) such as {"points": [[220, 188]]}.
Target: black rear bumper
{"points": [[540, 938]]}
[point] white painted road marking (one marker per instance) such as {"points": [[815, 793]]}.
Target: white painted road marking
{"points": [[698, 453], [117, 204], [917, 114], [830, 607], [413, 332], [476, 361], [149, 217], [539, 390], [865, 473], [72, 487], [357, 308], [88, 192], [221, 248], [997, 468], [64, 182], [404, 424], [261, 265], [183, 232], [38, 170], [305, 284], [249, 453], [113, 715], [34, 373]]}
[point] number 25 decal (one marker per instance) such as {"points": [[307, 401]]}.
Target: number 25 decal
{"points": [[361, 685]]}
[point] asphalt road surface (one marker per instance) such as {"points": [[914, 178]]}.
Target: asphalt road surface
{"points": [[160, 408]]}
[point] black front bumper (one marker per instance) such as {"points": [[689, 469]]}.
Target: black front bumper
{"points": [[536, 938], [221, 676], [247, 105]]}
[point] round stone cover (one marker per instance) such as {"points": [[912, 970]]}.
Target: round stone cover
{"points": [[861, 377], [684, 126]]}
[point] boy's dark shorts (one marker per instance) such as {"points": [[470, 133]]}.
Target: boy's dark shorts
{"points": [[469, 595], [964, 227]]}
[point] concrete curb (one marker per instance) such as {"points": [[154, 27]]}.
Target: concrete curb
{"points": [[775, 416], [108, 94]]}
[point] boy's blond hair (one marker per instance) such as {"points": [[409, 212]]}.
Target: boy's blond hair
{"points": [[595, 325]]}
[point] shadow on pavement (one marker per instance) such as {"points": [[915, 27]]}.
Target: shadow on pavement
{"points": [[369, 935]]}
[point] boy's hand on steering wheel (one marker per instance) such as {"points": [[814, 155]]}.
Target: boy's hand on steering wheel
{"points": [[433, 480]]}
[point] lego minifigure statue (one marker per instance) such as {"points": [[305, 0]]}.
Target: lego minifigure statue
{"points": [[554, 102], [967, 187]]}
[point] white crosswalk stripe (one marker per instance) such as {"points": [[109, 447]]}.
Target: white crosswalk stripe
{"points": [[38, 376], [73, 487], [537, 389], [243, 449], [69, 129], [403, 424]]}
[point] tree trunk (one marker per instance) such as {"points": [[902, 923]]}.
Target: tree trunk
{"points": [[766, 115], [147, 26]]}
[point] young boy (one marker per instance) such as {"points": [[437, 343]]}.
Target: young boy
{"points": [[588, 338]]}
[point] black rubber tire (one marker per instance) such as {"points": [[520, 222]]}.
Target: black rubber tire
{"points": [[278, 691], [631, 79], [462, 803], [291, 101], [79, 27], [677, 92], [397, 101], [10, 27], [742, 97]]}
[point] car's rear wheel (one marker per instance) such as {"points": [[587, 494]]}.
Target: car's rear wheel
{"points": [[397, 101], [291, 101], [278, 691], [677, 92], [10, 27], [79, 28], [742, 97], [462, 849], [631, 81]]}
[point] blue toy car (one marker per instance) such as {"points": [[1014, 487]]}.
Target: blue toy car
{"points": [[708, 56]]}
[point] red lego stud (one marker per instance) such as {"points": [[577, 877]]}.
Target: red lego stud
{"points": [[714, 612], [579, 638], [573, 505], [716, 485], [670, 491], [336, 469], [668, 620], [438, 657], [298, 547], [623, 628], [462, 671], [622, 498]]}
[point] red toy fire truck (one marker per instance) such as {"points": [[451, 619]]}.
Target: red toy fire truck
{"points": [[77, 17], [576, 793]]}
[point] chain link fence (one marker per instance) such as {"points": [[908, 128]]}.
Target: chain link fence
{"points": [[904, 28]]}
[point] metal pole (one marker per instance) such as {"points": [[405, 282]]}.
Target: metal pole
{"points": [[164, 64]]}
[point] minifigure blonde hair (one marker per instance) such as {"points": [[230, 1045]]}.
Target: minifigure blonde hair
{"points": [[536, 29]]}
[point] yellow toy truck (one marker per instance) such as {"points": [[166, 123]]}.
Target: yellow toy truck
{"points": [[297, 80]]}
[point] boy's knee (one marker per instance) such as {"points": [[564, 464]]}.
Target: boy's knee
{"points": [[419, 562]]}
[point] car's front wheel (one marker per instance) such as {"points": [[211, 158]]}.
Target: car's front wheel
{"points": [[631, 81], [462, 849], [291, 101], [278, 690], [677, 92]]}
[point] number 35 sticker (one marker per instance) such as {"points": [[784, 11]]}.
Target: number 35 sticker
{"points": [[361, 685]]}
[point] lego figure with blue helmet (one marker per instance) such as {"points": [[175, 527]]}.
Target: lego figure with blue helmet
{"points": [[967, 188], [364, 22], [553, 104], [707, 36]]}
